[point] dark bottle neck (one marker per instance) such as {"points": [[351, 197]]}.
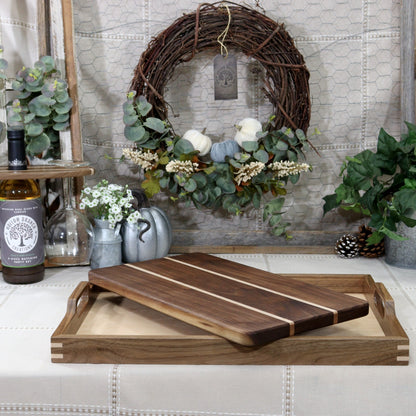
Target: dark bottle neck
{"points": [[16, 149]]}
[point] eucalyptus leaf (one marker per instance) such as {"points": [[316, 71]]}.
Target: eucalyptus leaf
{"points": [[273, 207], [292, 156], [282, 145], [294, 178], [200, 179], [61, 118], [48, 63], [61, 126], [143, 107], [200, 197], [281, 229], [62, 108], [261, 156], [155, 124], [34, 87], [227, 185], [28, 118], [129, 120], [23, 95], [48, 90], [250, 146], [38, 144], [134, 133], [173, 186], [149, 143], [300, 134], [61, 96], [190, 185], [128, 108], [256, 200], [34, 129], [234, 163], [41, 106], [164, 182], [183, 146]]}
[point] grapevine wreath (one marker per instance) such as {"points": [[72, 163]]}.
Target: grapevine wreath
{"points": [[259, 160]]}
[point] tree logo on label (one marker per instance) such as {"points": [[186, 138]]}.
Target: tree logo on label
{"points": [[21, 233]]}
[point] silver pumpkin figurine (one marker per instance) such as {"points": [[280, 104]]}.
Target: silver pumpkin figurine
{"points": [[151, 237]]}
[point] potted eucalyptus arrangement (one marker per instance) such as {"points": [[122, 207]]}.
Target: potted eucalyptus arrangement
{"points": [[42, 106], [381, 184]]}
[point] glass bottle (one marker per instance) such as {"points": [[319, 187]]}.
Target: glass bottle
{"points": [[21, 233], [69, 234]]}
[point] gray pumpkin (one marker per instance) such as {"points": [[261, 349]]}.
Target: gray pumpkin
{"points": [[220, 150], [151, 238]]}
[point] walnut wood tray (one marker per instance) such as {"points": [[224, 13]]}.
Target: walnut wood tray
{"points": [[103, 327]]}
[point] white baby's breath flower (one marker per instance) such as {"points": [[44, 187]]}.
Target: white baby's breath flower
{"points": [[110, 202], [133, 217], [115, 209], [106, 199]]}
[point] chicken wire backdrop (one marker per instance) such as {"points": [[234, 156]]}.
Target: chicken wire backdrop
{"points": [[351, 48]]}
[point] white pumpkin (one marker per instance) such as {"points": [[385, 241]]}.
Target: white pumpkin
{"points": [[241, 137], [199, 141], [246, 130], [249, 125]]}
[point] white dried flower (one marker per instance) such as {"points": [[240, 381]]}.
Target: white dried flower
{"points": [[287, 168], [247, 172], [110, 202], [146, 160], [185, 166]]}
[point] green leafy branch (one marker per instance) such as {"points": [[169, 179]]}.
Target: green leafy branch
{"points": [[380, 184]]}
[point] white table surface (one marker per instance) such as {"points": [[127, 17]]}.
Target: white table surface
{"points": [[31, 385]]}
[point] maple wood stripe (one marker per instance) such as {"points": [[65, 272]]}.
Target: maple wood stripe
{"points": [[334, 311], [280, 318]]}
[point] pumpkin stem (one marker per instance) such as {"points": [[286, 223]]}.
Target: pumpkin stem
{"points": [[140, 197], [147, 228]]}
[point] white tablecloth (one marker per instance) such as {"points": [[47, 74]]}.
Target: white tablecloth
{"points": [[31, 385]]}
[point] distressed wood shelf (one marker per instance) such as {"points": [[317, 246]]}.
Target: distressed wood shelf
{"points": [[46, 172]]}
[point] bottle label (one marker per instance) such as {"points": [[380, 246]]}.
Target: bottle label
{"points": [[21, 234]]}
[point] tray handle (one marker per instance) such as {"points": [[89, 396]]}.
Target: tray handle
{"points": [[383, 300], [79, 299]]}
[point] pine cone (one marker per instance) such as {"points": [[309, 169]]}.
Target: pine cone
{"points": [[347, 246], [373, 250]]}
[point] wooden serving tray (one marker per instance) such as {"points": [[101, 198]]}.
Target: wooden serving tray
{"points": [[103, 327], [243, 304]]}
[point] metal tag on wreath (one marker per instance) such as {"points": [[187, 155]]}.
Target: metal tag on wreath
{"points": [[225, 77]]}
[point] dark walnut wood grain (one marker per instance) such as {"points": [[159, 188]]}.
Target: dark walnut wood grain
{"points": [[242, 304]]}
